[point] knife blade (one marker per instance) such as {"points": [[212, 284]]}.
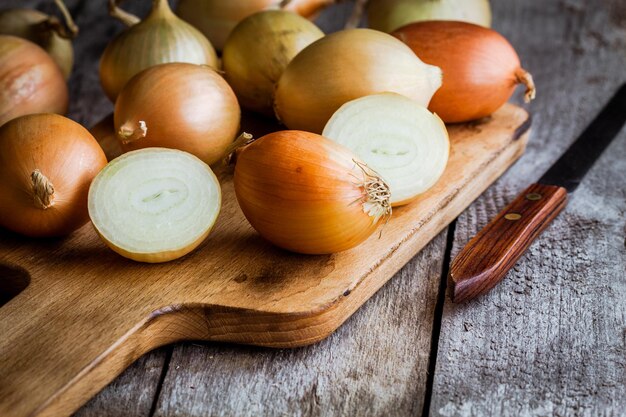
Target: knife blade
{"points": [[489, 255]]}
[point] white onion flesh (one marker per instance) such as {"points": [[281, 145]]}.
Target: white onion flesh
{"points": [[396, 137], [154, 204]]}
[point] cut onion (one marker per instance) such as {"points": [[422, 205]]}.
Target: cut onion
{"points": [[155, 204], [396, 137]]}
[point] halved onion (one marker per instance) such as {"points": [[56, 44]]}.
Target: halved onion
{"points": [[396, 137], [154, 204]]}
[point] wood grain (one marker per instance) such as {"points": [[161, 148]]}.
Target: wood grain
{"points": [[489, 256]]}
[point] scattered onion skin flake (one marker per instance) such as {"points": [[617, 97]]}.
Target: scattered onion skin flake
{"points": [[154, 205], [344, 66], [307, 194], [259, 49], [47, 163], [30, 81], [480, 67], [389, 15], [401, 140], [180, 106]]}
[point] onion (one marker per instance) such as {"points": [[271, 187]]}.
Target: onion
{"points": [[30, 81], [217, 18], [44, 30], [307, 194], [401, 140], [389, 15], [182, 106], [344, 66], [46, 165], [160, 38], [481, 69], [154, 205], [258, 51]]}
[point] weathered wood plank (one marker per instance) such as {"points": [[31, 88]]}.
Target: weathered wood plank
{"points": [[549, 340]]}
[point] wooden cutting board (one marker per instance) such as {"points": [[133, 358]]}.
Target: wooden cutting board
{"points": [[86, 313]]}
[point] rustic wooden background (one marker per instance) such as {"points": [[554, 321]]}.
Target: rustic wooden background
{"points": [[550, 340]]}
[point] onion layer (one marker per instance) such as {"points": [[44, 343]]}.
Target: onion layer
{"points": [[481, 69], [46, 165], [389, 15], [401, 140], [182, 106], [344, 66], [307, 194], [30, 81], [154, 205], [160, 38], [258, 51]]}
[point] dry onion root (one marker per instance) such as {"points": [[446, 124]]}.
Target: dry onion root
{"points": [[181, 106], [481, 69], [401, 140], [344, 66], [307, 194], [47, 163], [258, 51], [154, 205]]}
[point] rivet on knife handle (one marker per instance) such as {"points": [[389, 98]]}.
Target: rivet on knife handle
{"points": [[486, 259]]}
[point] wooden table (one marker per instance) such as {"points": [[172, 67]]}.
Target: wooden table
{"points": [[550, 340]]}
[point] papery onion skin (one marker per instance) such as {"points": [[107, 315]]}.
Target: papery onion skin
{"points": [[30, 81], [304, 193], [480, 67], [344, 66], [179, 106], [389, 15], [61, 150], [258, 51], [160, 38]]}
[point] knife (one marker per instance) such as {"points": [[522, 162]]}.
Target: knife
{"points": [[489, 255]]}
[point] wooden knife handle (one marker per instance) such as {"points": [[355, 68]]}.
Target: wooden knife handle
{"points": [[486, 259]]}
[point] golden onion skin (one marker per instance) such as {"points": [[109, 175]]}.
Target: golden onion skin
{"points": [[160, 38], [258, 51]]}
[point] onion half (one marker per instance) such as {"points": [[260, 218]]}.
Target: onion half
{"points": [[401, 140], [480, 67], [344, 66], [307, 194], [154, 205]]}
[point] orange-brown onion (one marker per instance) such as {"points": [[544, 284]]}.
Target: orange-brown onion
{"points": [[480, 67], [258, 51], [160, 38], [30, 81], [308, 194], [181, 106], [344, 66], [217, 18], [47, 163]]}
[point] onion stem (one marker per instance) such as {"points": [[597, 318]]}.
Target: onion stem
{"points": [[123, 16], [129, 133], [72, 29], [377, 194], [525, 78], [43, 190]]}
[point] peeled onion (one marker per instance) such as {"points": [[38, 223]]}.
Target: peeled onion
{"points": [[217, 18], [30, 81], [480, 67], [401, 140], [181, 106], [258, 51], [307, 194], [46, 165], [344, 66], [160, 38], [389, 15], [154, 205]]}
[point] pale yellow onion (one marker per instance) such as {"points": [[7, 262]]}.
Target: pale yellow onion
{"points": [[344, 66], [181, 106], [258, 51], [389, 15], [160, 38]]}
